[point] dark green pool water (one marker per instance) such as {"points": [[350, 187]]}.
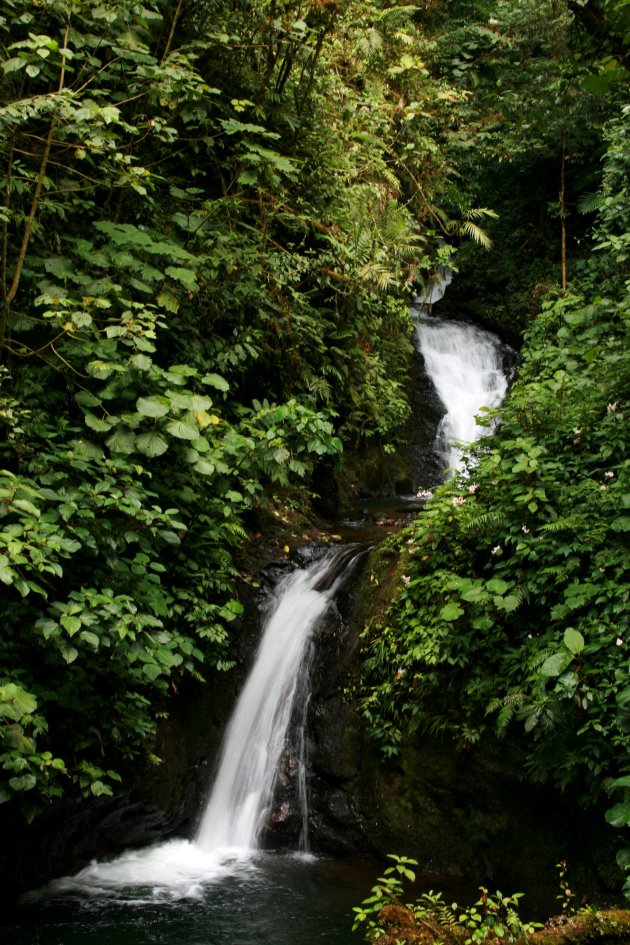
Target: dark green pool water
{"points": [[270, 900]]}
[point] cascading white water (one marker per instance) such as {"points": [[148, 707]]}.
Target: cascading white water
{"points": [[255, 738], [276, 689], [465, 364]]}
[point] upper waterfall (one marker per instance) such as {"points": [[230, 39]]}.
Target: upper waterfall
{"points": [[467, 367]]}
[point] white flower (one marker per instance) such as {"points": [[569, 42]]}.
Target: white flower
{"points": [[612, 407], [424, 494], [525, 530], [603, 570], [577, 431], [609, 474], [496, 550], [619, 641], [473, 488], [458, 500], [405, 579]]}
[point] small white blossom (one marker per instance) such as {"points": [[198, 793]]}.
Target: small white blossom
{"points": [[525, 530], [405, 579], [424, 494], [612, 407], [577, 430], [458, 500], [609, 474], [473, 488], [603, 488], [603, 570], [619, 641], [495, 482], [496, 550]]}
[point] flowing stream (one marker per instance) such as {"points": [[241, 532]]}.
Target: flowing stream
{"points": [[221, 889], [467, 367]]}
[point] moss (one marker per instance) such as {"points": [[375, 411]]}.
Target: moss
{"points": [[400, 926]]}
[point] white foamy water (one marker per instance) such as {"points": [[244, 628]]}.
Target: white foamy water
{"points": [[242, 794], [243, 790], [465, 364]]}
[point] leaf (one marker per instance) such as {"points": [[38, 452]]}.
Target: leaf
{"points": [[24, 782], [69, 653], [183, 431], [153, 406], [215, 380], [451, 611], [497, 586], [619, 815], [573, 640], [204, 467], [96, 423], [71, 624], [151, 444], [122, 441], [167, 300], [90, 638], [555, 665], [185, 276]]}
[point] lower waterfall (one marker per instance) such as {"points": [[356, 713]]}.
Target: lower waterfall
{"points": [[224, 861], [255, 738]]}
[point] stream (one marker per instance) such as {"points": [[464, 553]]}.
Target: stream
{"points": [[221, 888]]}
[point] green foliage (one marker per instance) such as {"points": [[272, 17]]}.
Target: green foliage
{"points": [[211, 221], [512, 609], [493, 916]]}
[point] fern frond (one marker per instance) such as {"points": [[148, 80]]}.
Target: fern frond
{"points": [[481, 522], [588, 203], [562, 525], [369, 43], [396, 16], [476, 233]]}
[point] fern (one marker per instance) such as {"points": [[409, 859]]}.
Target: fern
{"points": [[589, 203], [482, 522]]}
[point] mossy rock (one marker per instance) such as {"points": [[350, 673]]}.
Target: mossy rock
{"points": [[400, 926]]}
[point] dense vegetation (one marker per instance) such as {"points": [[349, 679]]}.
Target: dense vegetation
{"points": [[214, 217], [512, 611]]}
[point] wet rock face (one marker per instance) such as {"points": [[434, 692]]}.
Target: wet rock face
{"points": [[427, 410]]}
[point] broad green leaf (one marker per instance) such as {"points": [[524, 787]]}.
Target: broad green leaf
{"points": [[155, 406], [497, 586], [555, 665], [71, 624], [151, 444], [122, 441], [619, 815], [204, 467], [573, 640], [25, 782], [215, 380], [97, 423], [451, 611], [183, 431]]}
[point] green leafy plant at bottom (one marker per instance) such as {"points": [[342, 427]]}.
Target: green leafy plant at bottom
{"points": [[494, 915]]}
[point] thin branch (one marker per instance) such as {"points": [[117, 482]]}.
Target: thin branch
{"points": [[171, 34]]}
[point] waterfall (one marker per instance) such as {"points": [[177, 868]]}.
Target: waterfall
{"points": [[466, 366], [277, 687]]}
